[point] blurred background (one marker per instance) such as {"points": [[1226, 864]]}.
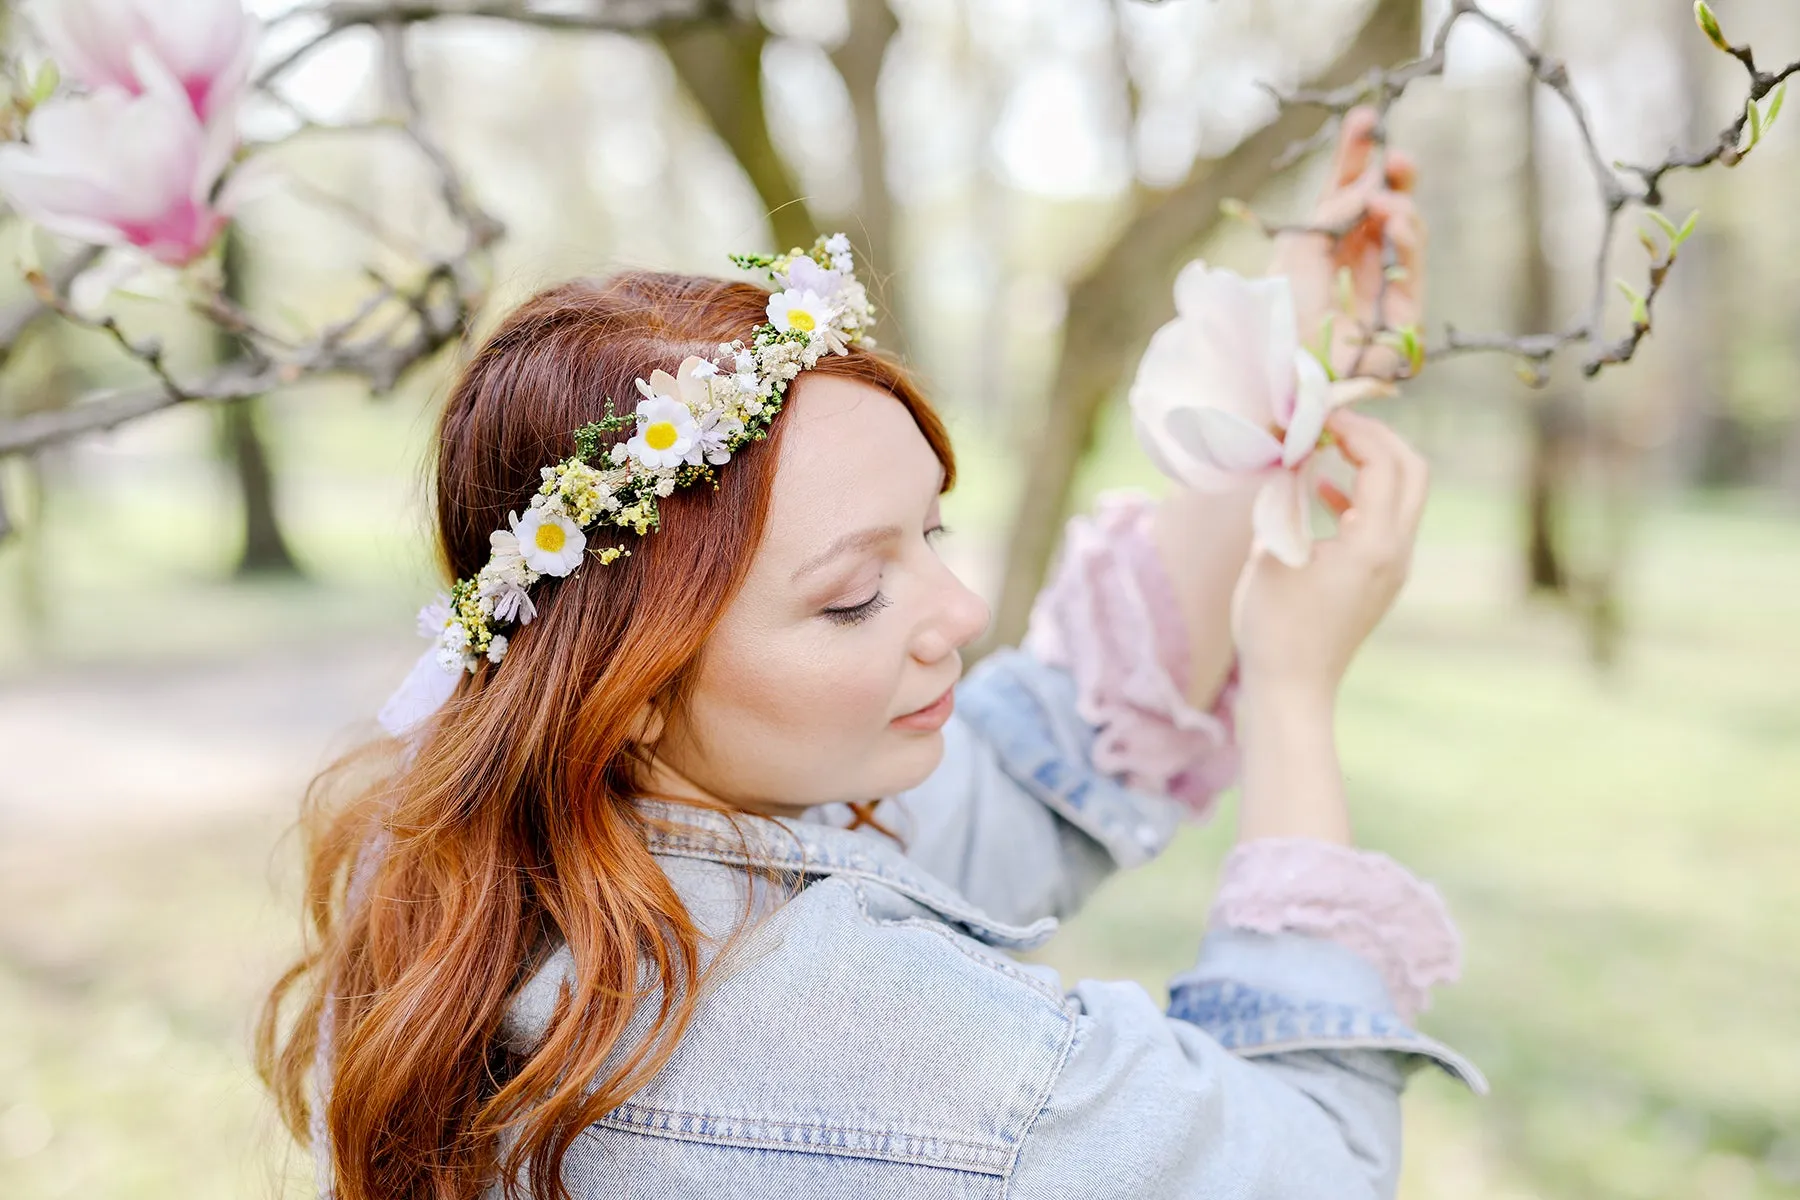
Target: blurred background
{"points": [[1582, 721]]}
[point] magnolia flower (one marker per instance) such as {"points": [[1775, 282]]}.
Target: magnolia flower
{"points": [[115, 169], [798, 310], [206, 46], [1225, 393], [550, 542]]}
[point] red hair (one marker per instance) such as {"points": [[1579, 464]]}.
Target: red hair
{"points": [[512, 826]]}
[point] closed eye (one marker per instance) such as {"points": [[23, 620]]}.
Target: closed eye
{"points": [[856, 614]]}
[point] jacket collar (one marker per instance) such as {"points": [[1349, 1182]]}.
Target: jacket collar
{"points": [[814, 850]]}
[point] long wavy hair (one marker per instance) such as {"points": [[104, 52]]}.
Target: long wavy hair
{"points": [[509, 826]]}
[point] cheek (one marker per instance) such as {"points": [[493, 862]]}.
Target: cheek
{"points": [[813, 694]]}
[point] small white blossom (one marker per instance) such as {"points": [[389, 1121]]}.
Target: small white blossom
{"points": [[665, 486], [618, 454], [837, 243], [434, 616], [497, 648]]}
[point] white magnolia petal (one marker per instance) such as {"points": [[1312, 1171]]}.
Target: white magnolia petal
{"points": [[115, 269], [1223, 440], [1282, 517], [1354, 391], [1249, 323], [1311, 406]]}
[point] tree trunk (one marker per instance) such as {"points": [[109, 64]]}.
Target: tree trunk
{"points": [[1123, 297], [265, 549], [1552, 415], [720, 64], [859, 60]]}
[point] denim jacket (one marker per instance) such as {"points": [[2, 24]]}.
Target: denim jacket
{"points": [[873, 1034]]}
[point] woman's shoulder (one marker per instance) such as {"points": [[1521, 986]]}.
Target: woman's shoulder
{"points": [[853, 1022]]}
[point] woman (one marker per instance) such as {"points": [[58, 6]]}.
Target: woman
{"points": [[707, 877]]}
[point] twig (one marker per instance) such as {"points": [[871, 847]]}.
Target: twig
{"points": [[1618, 187]]}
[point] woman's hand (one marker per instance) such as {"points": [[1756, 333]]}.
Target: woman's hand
{"points": [[1371, 206], [1298, 628]]}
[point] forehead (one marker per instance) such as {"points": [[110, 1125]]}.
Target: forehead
{"points": [[852, 456]]}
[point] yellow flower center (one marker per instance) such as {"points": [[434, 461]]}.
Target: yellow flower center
{"points": [[659, 435], [802, 320], [550, 538]]}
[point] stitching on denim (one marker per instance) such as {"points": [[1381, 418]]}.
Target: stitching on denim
{"points": [[1067, 1051], [885, 1145], [997, 932], [1057, 998]]}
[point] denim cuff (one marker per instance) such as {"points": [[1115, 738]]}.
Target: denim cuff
{"points": [[1265, 994], [1026, 710]]}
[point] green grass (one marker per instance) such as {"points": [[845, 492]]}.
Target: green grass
{"points": [[1619, 850]]}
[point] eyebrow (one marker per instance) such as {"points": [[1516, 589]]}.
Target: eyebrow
{"points": [[862, 539]]}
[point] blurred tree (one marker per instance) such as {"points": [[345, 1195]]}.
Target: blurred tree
{"points": [[1552, 412], [720, 64], [264, 550], [859, 58]]}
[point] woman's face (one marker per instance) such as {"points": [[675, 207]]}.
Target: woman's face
{"points": [[846, 622]]}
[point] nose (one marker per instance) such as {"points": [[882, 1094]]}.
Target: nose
{"points": [[960, 617]]}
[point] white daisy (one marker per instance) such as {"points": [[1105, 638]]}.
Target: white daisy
{"points": [[551, 543], [797, 310], [665, 432]]}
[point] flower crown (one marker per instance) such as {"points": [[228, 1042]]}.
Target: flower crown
{"points": [[687, 424]]}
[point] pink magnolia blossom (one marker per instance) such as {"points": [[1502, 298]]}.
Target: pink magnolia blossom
{"points": [[207, 45], [1225, 393], [117, 169]]}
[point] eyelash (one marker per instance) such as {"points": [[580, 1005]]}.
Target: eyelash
{"points": [[857, 614]]}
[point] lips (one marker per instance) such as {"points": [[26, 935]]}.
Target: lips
{"points": [[936, 700]]}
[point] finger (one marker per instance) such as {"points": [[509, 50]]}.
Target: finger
{"points": [[1355, 144], [1402, 171], [1334, 497], [1375, 451], [1402, 226], [1414, 489]]}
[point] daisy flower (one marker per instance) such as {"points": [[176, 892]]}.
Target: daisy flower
{"points": [[550, 542]]}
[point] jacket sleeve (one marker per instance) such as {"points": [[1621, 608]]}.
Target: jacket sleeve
{"points": [[1077, 753], [1274, 1074]]}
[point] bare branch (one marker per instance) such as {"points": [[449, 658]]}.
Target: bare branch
{"points": [[1618, 187]]}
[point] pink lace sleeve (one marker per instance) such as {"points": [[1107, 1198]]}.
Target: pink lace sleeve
{"points": [[1361, 899], [1112, 618]]}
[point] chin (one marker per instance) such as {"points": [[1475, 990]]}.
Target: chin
{"points": [[914, 764]]}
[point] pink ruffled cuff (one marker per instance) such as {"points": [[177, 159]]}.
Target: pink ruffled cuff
{"points": [[1361, 899], [1111, 617]]}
